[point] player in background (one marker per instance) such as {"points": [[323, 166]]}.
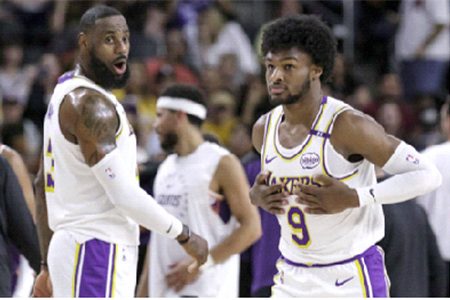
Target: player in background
{"points": [[205, 186]]}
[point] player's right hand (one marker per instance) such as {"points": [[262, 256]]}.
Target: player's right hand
{"points": [[42, 285], [197, 247], [271, 198]]}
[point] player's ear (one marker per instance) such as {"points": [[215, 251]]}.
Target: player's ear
{"points": [[82, 40], [316, 72]]}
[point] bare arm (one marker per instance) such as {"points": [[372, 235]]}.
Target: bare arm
{"points": [[232, 180], [258, 133], [90, 121], [357, 133], [229, 177], [42, 286], [437, 29]]}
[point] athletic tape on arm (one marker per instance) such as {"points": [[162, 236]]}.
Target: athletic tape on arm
{"points": [[414, 175], [126, 194]]}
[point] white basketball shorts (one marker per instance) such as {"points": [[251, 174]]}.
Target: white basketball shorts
{"points": [[92, 269], [360, 276]]}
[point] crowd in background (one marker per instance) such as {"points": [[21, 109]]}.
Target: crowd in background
{"points": [[214, 45]]}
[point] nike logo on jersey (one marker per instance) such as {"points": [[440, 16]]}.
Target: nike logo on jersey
{"points": [[340, 283], [269, 160]]}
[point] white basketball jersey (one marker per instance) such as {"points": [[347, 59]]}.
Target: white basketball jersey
{"points": [[319, 239], [182, 188], [76, 201]]}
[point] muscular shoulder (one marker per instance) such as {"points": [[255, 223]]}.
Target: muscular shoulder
{"points": [[258, 132], [357, 133], [86, 112]]}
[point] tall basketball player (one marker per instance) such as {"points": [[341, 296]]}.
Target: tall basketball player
{"points": [[318, 156], [89, 175]]}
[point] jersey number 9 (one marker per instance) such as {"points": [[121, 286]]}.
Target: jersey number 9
{"points": [[296, 220]]}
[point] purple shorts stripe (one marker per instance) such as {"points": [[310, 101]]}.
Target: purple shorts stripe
{"points": [[374, 264], [96, 269]]}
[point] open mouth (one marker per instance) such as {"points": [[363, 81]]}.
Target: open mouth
{"points": [[120, 67]]}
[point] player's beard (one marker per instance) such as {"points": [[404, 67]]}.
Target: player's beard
{"points": [[169, 142], [291, 99], [105, 77]]}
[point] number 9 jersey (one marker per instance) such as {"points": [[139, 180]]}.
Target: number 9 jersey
{"points": [[319, 239]]}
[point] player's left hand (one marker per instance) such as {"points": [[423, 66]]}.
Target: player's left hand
{"points": [[42, 285], [331, 197], [179, 275]]}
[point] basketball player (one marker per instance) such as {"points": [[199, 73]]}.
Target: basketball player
{"points": [[89, 175], [205, 186], [318, 156]]}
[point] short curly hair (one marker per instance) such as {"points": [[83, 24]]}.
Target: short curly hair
{"points": [[308, 34]]}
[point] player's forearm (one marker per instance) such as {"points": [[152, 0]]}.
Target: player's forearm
{"points": [[414, 175], [126, 195], [43, 230], [239, 240]]}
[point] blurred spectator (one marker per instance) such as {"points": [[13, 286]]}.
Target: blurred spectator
{"points": [[423, 46], [389, 115], [36, 19], [220, 35], [175, 57], [221, 118], [255, 102], [374, 39], [22, 274], [390, 91], [16, 227], [436, 203], [413, 262], [20, 134], [210, 80], [42, 87], [343, 81], [15, 79], [362, 99], [427, 132]]}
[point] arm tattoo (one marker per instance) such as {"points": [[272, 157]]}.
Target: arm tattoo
{"points": [[98, 118]]}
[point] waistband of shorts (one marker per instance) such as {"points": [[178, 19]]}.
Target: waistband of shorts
{"points": [[369, 251]]}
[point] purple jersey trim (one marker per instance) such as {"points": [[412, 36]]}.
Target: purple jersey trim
{"points": [[369, 251], [66, 76], [326, 137], [308, 138]]}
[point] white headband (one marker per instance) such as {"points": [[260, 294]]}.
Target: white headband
{"points": [[185, 105]]}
